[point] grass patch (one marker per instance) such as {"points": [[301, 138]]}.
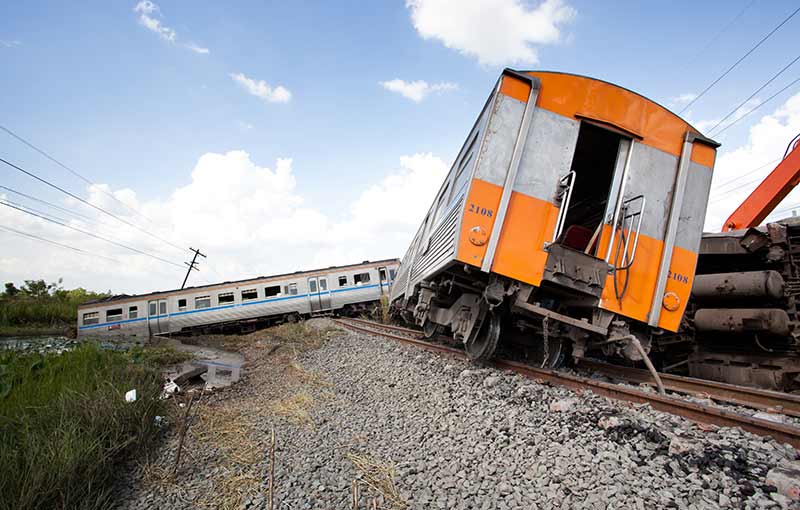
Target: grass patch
{"points": [[295, 407], [23, 331], [65, 425], [158, 356], [379, 478]]}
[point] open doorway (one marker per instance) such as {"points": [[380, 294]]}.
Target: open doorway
{"points": [[594, 163]]}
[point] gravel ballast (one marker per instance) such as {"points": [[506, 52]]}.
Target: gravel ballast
{"points": [[412, 429]]}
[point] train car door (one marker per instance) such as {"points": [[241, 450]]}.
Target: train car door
{"points": [[383, 277], [157, 318], [318, 294]]}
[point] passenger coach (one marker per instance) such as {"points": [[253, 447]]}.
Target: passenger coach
{"points": [[242, 304], [571, 218]]}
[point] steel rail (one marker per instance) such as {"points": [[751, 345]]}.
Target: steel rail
{"points": [[690, 410], [729, 393]]}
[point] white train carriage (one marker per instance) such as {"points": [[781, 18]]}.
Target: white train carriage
{"points": [[243, 303]]}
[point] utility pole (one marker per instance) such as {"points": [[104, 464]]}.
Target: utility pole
{"points": [[192, 265]]}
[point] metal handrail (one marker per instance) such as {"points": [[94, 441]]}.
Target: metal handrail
{"points": [[566, 184], [637, 217]]}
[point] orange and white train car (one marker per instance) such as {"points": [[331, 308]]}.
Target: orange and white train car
{"points": [[572, 215]]}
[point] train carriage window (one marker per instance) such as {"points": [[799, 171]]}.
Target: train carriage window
{"points": [[382, 274], [361, 278], [91, 318], [323, 284], [249, 294], [343, 281], [113, 314], [462, 175], [162, 307], [181, 304], [274, 290], [153, 309], [392, 274], [225, 297], [133, 312], [312, 285], [290, 290], [202, 302]]}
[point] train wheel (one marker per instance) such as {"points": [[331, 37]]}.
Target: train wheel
{"points": [[483, 341], [430, 329]]}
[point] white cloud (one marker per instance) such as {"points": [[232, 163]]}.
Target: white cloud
{"points": [[149, 13], [261, 89], [9, 44], [250, 220], [416, 90], [197, 49], [493, 31], [738, 171], [682, 99]]}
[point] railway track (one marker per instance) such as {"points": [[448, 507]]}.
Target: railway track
{"points": [[701, 413]]}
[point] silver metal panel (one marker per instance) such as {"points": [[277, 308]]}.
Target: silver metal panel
{"points": [[548, 154], [510, 179], [693, 212], [652, 175], [673, 215], [499, 139]]}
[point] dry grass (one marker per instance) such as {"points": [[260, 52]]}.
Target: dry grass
{"points": [[295, 408], [379, 478]]}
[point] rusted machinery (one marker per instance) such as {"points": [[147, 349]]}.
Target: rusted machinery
{"points": [[743, 316]]}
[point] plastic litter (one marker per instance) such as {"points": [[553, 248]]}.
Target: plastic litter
{"points": [[130, 396], [169, 388]]}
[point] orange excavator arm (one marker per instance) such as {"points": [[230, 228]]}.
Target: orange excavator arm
{"points": [[763, 200]]}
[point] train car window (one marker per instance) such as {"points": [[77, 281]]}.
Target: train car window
{"points": [[343, 281], [462, 174], [91, 318], [249, 294], [382, 274], [440, 205], [392, 274], [202, 302], [181, 304], [323, 284], [225, 297], [162, 307], [291, 289], [153, 309], [133, 312], [312, 285], [113, 314], [275, 290], [361, 278]]}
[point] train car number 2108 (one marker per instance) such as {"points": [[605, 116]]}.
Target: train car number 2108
{"points": [[481, 210]]}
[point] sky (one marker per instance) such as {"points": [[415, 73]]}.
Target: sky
{"points": [[279, 136]]}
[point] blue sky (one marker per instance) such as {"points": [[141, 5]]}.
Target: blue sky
{"points": [[136, 110]]}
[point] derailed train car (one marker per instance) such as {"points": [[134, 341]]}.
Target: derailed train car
{"points": [[241, 305], [570, 221]]}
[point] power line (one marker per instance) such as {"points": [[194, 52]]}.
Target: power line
{"points": [[731, 68], [45, 202], [787, 66], [770, 98], [723, 30], [73, 172], [56, 243], [76, 197], [5, 203], [731, 181]]}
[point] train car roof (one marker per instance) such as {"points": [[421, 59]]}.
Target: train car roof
{"points": [[579, 96], [132, 297]]}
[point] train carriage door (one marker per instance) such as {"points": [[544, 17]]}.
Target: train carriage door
{"points": [[314, 295], [324, 293], [383, 278], [157, 317]]}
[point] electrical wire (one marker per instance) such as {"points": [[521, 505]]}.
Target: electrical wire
{"points": [[5, 203], [770, 98], [731, 181], [731, 68], [723, 119], [55, 243], [62, 190], [49, 204], [73, 172]]}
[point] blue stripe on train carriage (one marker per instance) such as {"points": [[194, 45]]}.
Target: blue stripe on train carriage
{"points": [[214, 308]]}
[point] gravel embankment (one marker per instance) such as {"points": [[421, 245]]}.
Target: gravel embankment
{"points": [[457, 436]]}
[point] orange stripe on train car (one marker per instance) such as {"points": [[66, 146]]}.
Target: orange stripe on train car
{"points": [[681, 276], [480, 210], [572, 96], [516, 88], [520, 251], [704, 155]]}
